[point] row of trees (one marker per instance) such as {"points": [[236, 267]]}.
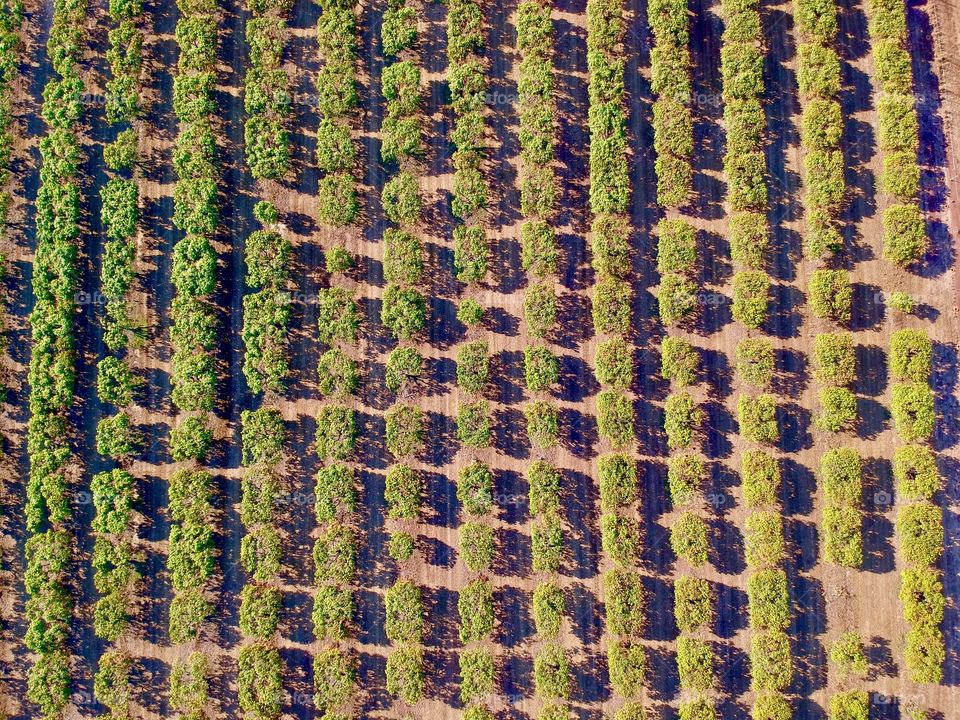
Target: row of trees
{"points": [[11, 21], [919, 522], [338, 96], [193, 339], [537, 185], [49, 606], [335, 547], [904, 231], [115, 491], [259, 677], [195, 213], [404, 313], [266, 94], [672, 117], [613, 363]]}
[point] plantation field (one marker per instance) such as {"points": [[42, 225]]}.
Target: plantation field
{"points": [[440, 359]]}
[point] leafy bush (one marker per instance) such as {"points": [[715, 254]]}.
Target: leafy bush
{"points": [[901, 301], [821, 125], [611, 246], [333, 610], [476, 546], [474, 424], [541, 368], [755, 362], [915, 471], [757, 417], [475, 488], [840, 476], [548, 608], [401, 198], [692, 603], [401, 546], [900, 176], [771, 665], [338, 373], [551, 672], [473, 366], [618, 481], [899, 127], [749, 237], [405, 433], [338, 260], [925, 654], [838, 409], [680, 361], [848, 656], [259, 688], [695, 664], [769, 599], [403, 492], [685, 476], [470, 312], [476, 673], [763, 539], [475, 607], [823, 174], [405, 673], [539, 248], [697, 709], [676, 246], [688, 538], [682, 419], [831, 295], [404, 311], [818, 70], [614, 363], [770, 706], [611, 306], [911, 354], [471, 254], [540, 309], [677, 299], [334, 678], [542, 423], [627, 665], [190, 440], [619, 535], [850, 705], [842, 536], [920, 530], [834, 358], [546, 542], [760, 476], [337, 317], [921, 592], [904, 234], [614, 417], [402, 257], [624, 600], [545, 487], [403, 365], [336, 432], [913, 411], [404, 612]]}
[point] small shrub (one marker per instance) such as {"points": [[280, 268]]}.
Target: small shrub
{"points": [[676, 246], [840, 476], [551, 672], [842, 536], [771, 665], [401, 546], [403, 365], [677, 299], [618, 481], [749, 238], [475, 488], [920, 531], [627, 664], [470, 312], [473, 366], [695, 664], [476, 546], [685, 476], [624, 600], [540, 309], [545, 487], [850, 705], [543, 424], [548, 608], [769, 599]]}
